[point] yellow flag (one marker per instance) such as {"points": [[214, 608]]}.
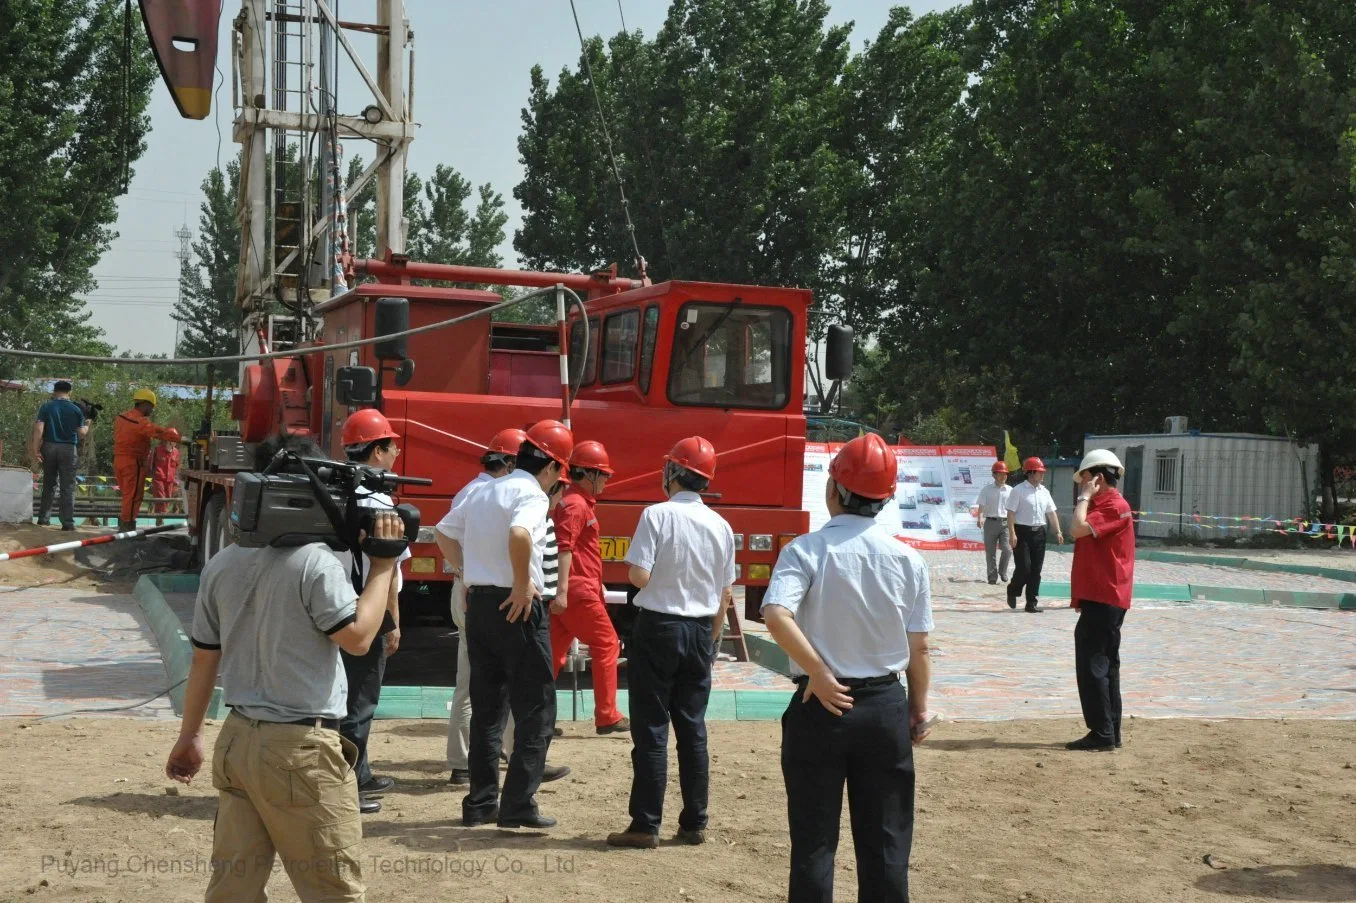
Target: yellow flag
{"points": [[1010, 456]]}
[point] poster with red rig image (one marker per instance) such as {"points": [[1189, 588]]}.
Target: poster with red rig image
{"points": [[936, 491]]}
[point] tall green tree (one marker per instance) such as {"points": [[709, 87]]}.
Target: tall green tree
{"points": [[209, 313], [72, 123], [722, 127]]}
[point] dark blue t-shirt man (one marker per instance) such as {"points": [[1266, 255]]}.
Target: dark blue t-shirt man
{"points": [[60, 426]]}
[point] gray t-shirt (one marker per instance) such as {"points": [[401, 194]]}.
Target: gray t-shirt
{"points": [[270, 612]]}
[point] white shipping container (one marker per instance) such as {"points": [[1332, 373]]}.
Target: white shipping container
{"points": [[1173, 477]]}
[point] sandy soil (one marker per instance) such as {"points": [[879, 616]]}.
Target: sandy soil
{"points": [[1003, 814], [45, 570]]}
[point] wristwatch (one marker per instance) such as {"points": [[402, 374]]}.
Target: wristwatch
{"points": [[1084, 498]]}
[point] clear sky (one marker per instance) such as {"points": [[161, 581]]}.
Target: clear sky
{"points": [[472, 59]]}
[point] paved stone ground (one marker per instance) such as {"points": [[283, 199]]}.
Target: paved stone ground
{"points": [[951, 568], [63, 649]]}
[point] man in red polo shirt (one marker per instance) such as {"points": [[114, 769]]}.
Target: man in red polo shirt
{"points": [[1103, 576], [584, 615]]}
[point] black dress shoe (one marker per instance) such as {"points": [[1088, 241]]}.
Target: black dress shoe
{"points": [[528, 821], [460, 777], [475, 821], [1034, 609], [551, 773], [368, 806], [557, 732], [1012, 601], [693, 838], [376, 784], [1091, 743]]}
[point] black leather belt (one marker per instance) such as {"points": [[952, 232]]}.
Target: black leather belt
{"points": [[995, 518], [329, 724], [857, 683]]}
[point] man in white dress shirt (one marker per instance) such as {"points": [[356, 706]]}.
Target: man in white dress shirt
{"points": [[991, 516], [499, 536], [1030, 508], [683, 559], [852, 608]]}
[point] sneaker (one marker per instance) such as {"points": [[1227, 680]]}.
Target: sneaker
{"points": [[460, 777], [1091, 743], [617, 727]]}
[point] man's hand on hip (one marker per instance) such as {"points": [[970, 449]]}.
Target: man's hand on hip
{"points": [[519, 603]]}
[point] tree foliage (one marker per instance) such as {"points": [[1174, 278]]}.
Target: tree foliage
{"points": [[1050, 217], [72, 122], [209, 313]]}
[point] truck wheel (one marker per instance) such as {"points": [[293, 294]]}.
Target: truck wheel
{"points": [[213, 538]]}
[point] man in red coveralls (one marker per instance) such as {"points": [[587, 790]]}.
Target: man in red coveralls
{"points": [[584, 616], [133, 433], [1103, 576], [164, 473]]}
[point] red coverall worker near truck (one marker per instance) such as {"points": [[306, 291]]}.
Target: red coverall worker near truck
{"points": [[852, 608], [165, 459], [133, 433], [1101, 584], [584, 616], [683, 559]]}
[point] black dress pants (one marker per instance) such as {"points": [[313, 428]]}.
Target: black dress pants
{"points": [[1097, 656], [510, 672], [364, 692], [868, 747], [669, 679], [1028, 558]]}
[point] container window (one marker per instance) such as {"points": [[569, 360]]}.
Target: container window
{"points": [[649, 334], [1165, 472], [620, 334], [731, 356]]}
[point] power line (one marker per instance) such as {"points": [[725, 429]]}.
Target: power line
{"points": [[607, 137]]}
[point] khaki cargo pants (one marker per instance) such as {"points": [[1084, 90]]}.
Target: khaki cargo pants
{"points": [[286, 790]]}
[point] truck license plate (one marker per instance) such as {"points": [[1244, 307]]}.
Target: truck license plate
{"points": [[614, 548]]}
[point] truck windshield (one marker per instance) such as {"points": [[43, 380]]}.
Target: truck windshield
{"points": [[731, 356]]}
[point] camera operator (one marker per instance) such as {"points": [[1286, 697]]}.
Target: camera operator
{"points": [[273, 620], [368, 439]]}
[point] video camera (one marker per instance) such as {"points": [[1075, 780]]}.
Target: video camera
{"points": [[300, 500], [89, 409]]}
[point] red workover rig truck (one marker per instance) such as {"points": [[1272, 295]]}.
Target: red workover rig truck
{"points": [[662, 362]]}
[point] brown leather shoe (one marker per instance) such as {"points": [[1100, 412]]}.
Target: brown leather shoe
{"points": [[639, 840], [695, 838], [617, 727]]}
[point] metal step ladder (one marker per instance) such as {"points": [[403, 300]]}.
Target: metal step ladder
{"points": [[733, 632]]}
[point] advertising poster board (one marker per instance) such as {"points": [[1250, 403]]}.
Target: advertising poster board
{"points": [[935, 493]]}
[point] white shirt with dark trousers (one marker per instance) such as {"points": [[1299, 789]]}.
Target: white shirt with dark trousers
{"points": [[689, 552], [1031, 504], [856, 593], [509, 661]]}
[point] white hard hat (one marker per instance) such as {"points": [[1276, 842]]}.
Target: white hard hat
{"points": [[1100, 457]]}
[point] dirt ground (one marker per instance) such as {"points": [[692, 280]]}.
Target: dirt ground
{"points": [[1004, 814]]}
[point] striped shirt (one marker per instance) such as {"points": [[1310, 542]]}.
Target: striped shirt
{"points": [[550, 563]]}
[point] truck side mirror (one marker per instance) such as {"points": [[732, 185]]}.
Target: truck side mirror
{"points": [[404, 372], [392, 316], [838, 348], [355, 386]]}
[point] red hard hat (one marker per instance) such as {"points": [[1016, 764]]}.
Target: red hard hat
{"points": [[695, 454], [591, 455], [507, 442], [1033, 465], [554, 439], [367, 426], [1000, 467], [866, 467]]}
